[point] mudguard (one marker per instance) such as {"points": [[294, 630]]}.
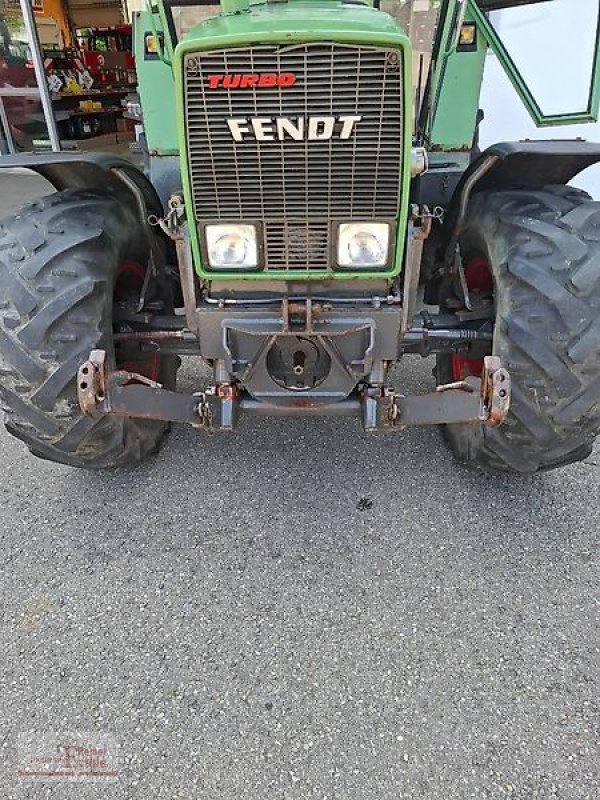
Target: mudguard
{"points": [[531, 164], [88, 171], [516, 165]]}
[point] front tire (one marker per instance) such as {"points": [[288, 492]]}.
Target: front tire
{"points": [[543, 251], [59, 260]]}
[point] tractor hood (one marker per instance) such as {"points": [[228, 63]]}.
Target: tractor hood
{"points": [[303, 20]]}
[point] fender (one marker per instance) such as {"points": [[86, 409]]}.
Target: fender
{"points": [[90, 171], [517, 165]]}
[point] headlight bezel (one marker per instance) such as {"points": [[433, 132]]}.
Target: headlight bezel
{"points": [[336, 243], [231, 225]]}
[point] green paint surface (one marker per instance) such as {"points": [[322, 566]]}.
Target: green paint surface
{"points": [[457, 87], [294, 22], [156, 87], [456, 78]]}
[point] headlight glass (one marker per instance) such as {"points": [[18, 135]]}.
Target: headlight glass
{"points": [[363, 244], [231, 246]]}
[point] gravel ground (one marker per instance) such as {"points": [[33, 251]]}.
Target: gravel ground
{"points": [[299, 610]]}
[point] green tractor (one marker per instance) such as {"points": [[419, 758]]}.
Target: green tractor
{"points": [[313, 206]]}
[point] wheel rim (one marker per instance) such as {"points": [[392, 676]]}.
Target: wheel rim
{"points": [[479, 280]]}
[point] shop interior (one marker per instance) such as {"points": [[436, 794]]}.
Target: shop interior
{"points": [[88, 67]]}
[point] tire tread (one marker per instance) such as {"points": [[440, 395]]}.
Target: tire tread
{"points": [[58, 258], [546, 263]]}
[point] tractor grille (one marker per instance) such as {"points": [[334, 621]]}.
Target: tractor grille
{"points": [[292, 188]]}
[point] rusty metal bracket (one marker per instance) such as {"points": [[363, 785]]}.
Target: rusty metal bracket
{"points": [[218, 408], [91, 383], [127, 394], [297, 317], [475, 400], [96, 386], [417, 235], [495, 391], [174, 226]]}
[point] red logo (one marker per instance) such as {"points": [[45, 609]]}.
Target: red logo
{"points": [[268, 80]]}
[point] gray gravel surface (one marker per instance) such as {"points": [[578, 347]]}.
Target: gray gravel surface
{"points": [[301, 611]]}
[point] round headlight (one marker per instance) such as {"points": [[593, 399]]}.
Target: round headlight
{"points": [[364, 248], [229, 249]]}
